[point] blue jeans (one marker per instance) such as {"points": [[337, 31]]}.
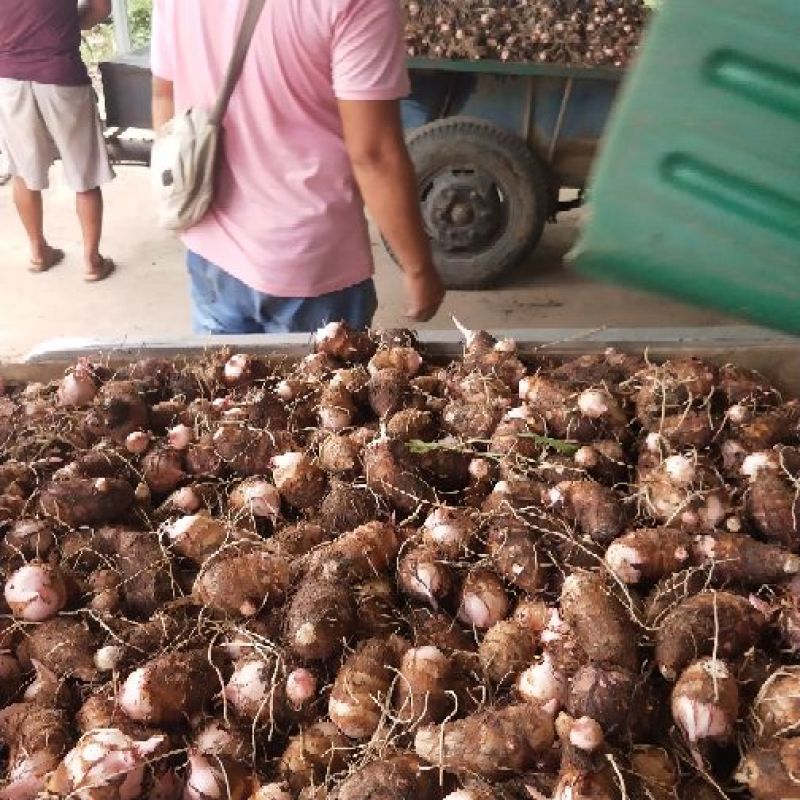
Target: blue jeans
{"points": [[223, 305]]}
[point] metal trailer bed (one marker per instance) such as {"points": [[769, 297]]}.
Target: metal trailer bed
{"points": [[559, 111], [777, 356]]}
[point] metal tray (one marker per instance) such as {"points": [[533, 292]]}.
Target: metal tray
{"points": [[777, 356]]}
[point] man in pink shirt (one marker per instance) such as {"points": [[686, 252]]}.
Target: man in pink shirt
{"points": [[312, 134]]}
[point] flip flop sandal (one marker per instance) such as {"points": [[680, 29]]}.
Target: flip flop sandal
{"points": [[53, 258], [107, 266]]}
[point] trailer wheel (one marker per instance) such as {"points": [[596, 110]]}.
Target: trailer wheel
{"points": [[484, 196]]}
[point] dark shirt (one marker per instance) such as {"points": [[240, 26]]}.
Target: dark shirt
{"points": [[40, 41]]}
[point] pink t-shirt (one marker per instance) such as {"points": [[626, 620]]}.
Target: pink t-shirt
{"points": [[288, 219]]}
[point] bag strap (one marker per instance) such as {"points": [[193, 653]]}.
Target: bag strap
{"points": [[248, 27]]}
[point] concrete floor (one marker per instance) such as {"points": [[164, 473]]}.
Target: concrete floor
{"points": [[148, 294]]}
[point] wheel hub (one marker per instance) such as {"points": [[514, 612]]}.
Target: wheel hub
{"points": [[462, 210]]}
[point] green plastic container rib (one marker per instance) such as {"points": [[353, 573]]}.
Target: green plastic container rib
{"points": [[696, 193]]}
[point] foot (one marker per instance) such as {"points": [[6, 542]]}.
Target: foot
{"points": [[98, 269], [45, 259]]}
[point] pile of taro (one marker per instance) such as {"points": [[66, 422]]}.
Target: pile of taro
{"points": [[575, 32], [373, 575]]}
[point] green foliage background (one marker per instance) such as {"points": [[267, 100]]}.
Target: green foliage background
{"points": [[99, 43]]}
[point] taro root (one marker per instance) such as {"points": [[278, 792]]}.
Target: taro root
{"points": [[255, 497], [450, 531], [705, 702], [119, 411], [78, 387], [398, 777], [82, 501], [364, 552], [196, 536], [347, 505], [544, 684], [603, 694], [242, 370], [147, 581], [390, 474], [250, 452], [36, 592], [596, 510], [648, 554], [737, 557], [65, 646], [774, 507], [512, 547], [602, 624], [483, 600], [777, 707], [506, 649], [169, 688], [377, 608], [299, 480], [411, 423], [656, 772], [340, 454], [340, 341], [299, 539], [313, 754], [436, 629], [37, 738], [470, 420], [29, 539], [363, 686], [320, 617], [770, 771], [421, 693], [424, 576], [163, 470], [242, 579], [104, 760], [263, 693], [703, 623], [389, 392], [489, 743]]}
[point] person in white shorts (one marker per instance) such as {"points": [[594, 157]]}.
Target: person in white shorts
{"points": [[48, 111]]}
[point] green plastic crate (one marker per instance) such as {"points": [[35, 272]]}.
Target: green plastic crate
{"points": [[696, 193]]}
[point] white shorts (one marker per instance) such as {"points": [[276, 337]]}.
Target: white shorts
{"points": [[41, 122]]}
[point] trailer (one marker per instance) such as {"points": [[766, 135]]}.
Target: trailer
{"points": [[494, 144]]}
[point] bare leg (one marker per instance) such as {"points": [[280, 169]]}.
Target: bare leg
{"points": [[31, 212], [89, 206]]}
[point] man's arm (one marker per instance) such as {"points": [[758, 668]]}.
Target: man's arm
{"points": [[373, 135], [93, 12], [163, 103]]}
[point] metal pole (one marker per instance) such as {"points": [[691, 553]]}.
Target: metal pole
{"points": [[527, 122], [122, 34], [562, 112]]}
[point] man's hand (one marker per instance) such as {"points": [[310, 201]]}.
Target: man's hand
{"points": [[93, 12], [425, 292], [163, 103]]}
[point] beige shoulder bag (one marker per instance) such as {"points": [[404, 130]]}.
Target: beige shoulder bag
{"points": [[183, 163]]}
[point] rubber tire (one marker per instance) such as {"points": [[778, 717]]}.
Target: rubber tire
{"points": [[515, 167]]}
